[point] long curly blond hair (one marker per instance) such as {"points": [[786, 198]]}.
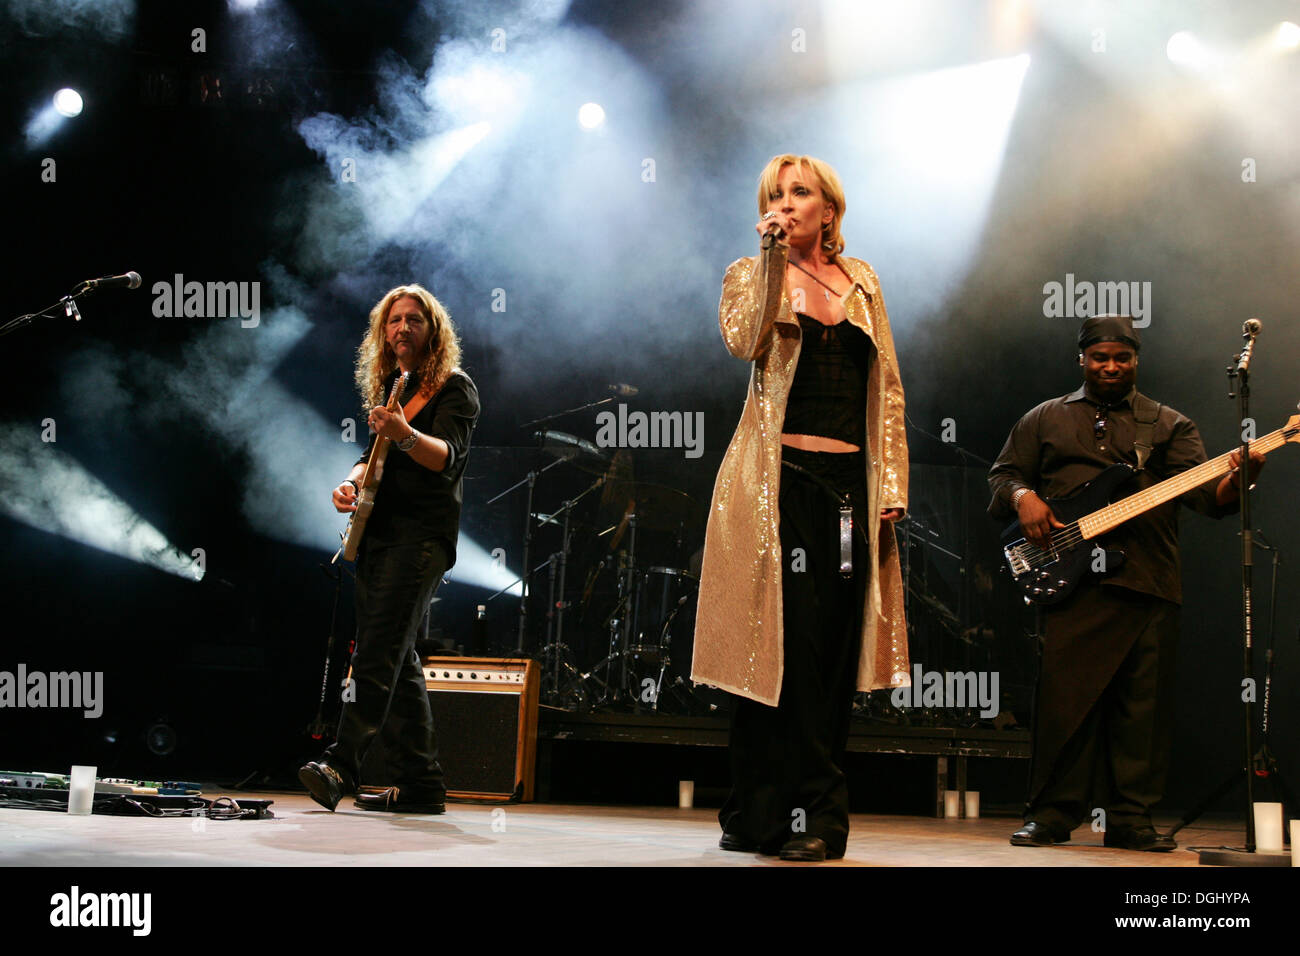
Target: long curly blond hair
{"points": [[376, 361]]}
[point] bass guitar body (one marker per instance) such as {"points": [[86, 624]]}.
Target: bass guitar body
{"points": [[1049, 576]]}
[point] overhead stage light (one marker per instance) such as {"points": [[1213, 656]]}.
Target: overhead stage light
{"points": [[1287, 36], [1185, 49], [67, 102], [591, 115]]}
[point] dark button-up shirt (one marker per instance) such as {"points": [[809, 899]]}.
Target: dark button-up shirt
{"points": [[415, 503], [1056, 448]]}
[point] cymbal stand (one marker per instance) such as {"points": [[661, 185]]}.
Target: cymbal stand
{"points": [[525, 577], [621, 624], [556, 651]]}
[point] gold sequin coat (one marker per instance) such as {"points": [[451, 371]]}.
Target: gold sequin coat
{"points": [[738, 631]]}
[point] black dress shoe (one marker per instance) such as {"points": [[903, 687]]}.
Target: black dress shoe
{"points": [[730, 841], [808, 849], [399, 800], [1038, 834], [1138, 838], [325, 784]]}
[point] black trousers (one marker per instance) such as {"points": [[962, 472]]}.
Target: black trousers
{"points": [[786, 760], [1118, 685], [395, 585]]}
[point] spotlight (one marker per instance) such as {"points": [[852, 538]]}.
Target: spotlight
{"points": [[590, 115], [1185, 49], [67, 102], [1287, 36]]}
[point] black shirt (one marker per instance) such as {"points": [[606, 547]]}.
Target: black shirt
{"points": [[828, 394], [415, 503], [1056, 448]]}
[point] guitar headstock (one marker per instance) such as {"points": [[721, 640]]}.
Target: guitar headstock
{"points": [[1292, 428], [399, 387]]}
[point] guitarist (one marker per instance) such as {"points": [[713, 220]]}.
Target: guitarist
{"points": [[409, 543], [1103, 707]]}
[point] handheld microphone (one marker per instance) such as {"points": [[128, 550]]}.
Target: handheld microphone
{"points": [[773, 233]]}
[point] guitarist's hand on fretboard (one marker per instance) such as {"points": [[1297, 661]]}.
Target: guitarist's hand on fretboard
{"points": [[1036, 520]]}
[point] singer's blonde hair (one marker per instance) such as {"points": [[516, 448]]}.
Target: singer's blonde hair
{"points": [[827, 181]]}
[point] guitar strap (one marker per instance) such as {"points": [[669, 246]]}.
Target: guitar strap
{"points": [[1145, 413], [414, 406]]}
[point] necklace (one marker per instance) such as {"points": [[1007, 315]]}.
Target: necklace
{"points": [[828, 289]]}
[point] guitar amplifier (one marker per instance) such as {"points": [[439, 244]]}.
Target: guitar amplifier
{"points": [[485, 716]]}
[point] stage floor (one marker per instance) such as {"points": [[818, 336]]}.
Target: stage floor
{"points": [[302, 833]]}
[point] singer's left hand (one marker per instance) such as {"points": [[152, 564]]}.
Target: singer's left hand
{"points": [[890, 514]]}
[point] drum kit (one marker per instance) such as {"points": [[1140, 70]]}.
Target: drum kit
{"points": [[618, 618]]}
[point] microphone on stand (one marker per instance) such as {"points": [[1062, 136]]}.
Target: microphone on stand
{"points": [[1250, 330], [625, 390], [129, 279]]}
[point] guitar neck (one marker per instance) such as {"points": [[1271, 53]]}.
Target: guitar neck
{"points": [[375, 466], [1103, 520], [376, 462]]}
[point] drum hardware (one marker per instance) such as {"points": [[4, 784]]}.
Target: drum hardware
{"points": [[638, 667]]}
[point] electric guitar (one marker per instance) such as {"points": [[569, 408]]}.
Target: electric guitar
{"points": [[1049, 576], [369, 483]]}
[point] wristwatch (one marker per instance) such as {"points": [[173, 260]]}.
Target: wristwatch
{"points": [[407, 443], [1017, 495]]}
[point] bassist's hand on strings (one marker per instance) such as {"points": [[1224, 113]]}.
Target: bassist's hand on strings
{"points": [[1036, 520]]}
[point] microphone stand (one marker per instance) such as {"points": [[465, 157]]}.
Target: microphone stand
{"points": [[68, 304], [1239, 388]]}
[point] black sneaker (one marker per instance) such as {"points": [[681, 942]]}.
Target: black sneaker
{"points": [[325, 784]]}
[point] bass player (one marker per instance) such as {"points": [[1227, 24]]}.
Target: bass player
{"points": [[1104, 704]]}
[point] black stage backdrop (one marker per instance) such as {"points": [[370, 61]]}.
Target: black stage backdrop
{"points": [[166, 478]]}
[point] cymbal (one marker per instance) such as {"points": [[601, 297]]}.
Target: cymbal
{"points": [[657, 507], [576, 451]]}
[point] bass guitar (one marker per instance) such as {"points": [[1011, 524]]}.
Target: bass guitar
{"points": [[1048, 576]]}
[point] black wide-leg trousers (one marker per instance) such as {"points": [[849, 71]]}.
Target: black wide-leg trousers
{"points": [[787, 780], [395, 586]]}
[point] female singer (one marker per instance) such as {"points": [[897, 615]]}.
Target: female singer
{"points": [[801, 601]]}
